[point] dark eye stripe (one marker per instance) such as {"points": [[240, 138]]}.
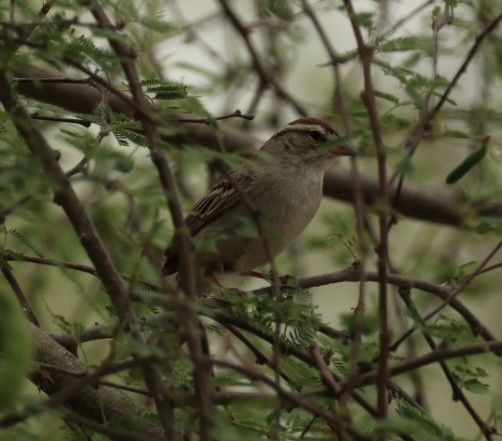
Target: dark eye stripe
{"points": [[316, 136]]}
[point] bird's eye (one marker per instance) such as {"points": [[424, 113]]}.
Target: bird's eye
{"points": [[315, 135]]}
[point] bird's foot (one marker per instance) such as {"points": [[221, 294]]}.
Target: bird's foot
{"points": [[287, 279], [256, 274]]}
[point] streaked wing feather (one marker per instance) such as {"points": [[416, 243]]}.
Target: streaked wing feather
{"points": [[222, 197]]}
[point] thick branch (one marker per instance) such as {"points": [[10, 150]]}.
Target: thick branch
{"points": [[443, 206], [90, 402]]}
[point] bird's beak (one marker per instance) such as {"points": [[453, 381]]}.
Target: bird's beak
{"points": [[343, 150]]}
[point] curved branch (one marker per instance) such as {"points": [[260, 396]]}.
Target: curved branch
{"points": [[352, 275], [90, 402]]}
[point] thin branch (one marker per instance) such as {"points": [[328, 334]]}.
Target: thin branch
{"points": [[261, 358], [458, 394], [288, 396], [388, 32], [58, 80], [26, 31], [243, 324], [357, 194], [368, 98], [417, 134], [351, 274], [328, 379], [152, 376], [260, 70], [18, 291], [69, 201], [67, 198], [468, 279], [431, 358], [451, 296], [208, 121], [78, 121], [111, 432]]}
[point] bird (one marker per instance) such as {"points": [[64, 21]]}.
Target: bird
{"points": [[273, 197]]}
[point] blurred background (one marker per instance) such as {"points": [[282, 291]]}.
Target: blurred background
{"points": [[268, 58]]}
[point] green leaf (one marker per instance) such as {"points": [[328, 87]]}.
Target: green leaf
{"points": [[497, 408], [476, 386], [387, 96], [469, 162], [418, 321], [404, 167], [16, 350], [280, 8], [456, 134], [157, 24], [407, 44], [369, 324], [365, 19]]}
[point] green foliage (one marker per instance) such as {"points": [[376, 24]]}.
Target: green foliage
{"points": [[165, 90], [416, 86], [469, 377], [422, 44], [279, 8], [468, 163], [421, 425], [449, 331], [15, 350]]}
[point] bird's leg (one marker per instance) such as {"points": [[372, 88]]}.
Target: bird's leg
{"points": [[212, 278], [256, 274], [285, 280]]}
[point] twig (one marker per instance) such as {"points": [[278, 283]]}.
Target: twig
{"points": [[261, 358], [260, 70], [18, 291], [19, 257], [468, 279], [417, 134], [25, 32], [351, 274], [385, 34], [152, 376], [430, 358], [56, 23], [79, 121], [327, 377], [368, 98], [335, 57], [57, 80], [359, 206], [66, 197], [288, 396], [285, 348], [208, 121], [458, 394], [111, 432], [140, 112], [451, 296]]}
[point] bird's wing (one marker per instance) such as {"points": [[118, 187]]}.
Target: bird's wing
{"points": [[222, 197]]}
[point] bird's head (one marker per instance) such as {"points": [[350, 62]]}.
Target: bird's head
{"points": [[309, 141]]}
